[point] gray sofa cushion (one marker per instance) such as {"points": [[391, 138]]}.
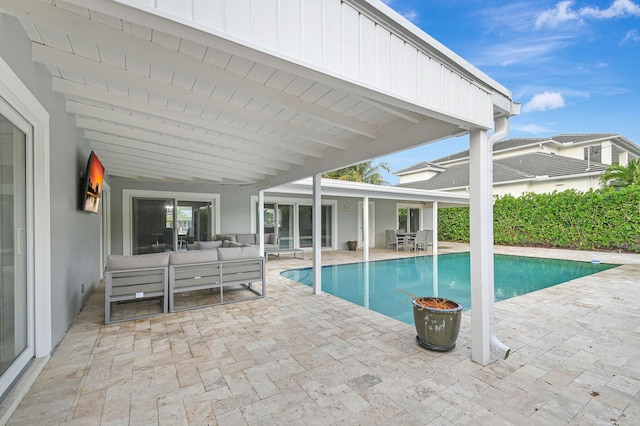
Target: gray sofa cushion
{"points": [[234, 253], [270, 238], [197, 256], [228, 243], [208, 245], [224, 237], [246, 238], [140, 261]]}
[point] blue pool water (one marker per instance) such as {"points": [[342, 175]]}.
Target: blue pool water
{"points": [[391, 282]]}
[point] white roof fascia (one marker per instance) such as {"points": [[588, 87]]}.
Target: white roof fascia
{"points": [[338, 188]]}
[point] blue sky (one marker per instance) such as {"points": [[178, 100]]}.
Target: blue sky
{"points": [[573, 65]]}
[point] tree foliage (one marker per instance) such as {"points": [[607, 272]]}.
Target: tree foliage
{"points": [[607, 219], [621, 176], [363, 172]]}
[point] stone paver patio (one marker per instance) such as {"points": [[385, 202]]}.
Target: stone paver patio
{"points": [[294, 358]]}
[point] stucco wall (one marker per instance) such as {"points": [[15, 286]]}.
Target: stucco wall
{"points": [[75, 235]]}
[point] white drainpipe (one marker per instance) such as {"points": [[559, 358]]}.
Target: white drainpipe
{"points": [[497, 347]]}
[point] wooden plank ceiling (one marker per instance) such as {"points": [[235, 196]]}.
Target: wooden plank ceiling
{"points": [[156, 105]]}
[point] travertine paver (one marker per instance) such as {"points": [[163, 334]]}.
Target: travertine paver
{"points": [[294, 358]]}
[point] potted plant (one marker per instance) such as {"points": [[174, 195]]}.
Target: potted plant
{"points": [[437, 322], [352, 245]]}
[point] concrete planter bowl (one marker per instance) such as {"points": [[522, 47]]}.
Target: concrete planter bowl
{"points": [[437, 322], [352, 245]]}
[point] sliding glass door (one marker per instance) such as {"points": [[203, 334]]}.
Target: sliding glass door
{"points": [[169, 223], [305, 224], [409, 218], [293, 223], [152, 225], [16, 292], [278, 219]]}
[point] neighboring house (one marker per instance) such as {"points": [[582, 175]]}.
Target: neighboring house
{"points": [[529, 165]]}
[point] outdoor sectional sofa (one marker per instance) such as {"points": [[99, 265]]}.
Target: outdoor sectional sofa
{"points": [[231, 240], [160, 277]]}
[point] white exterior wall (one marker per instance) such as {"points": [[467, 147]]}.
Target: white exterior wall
{"points": [[418, 176], [574, 151], [336, 38], [583, 184]]}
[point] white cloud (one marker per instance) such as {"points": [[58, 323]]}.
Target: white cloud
{"points": [[544, 101], [631, 36], [618, 8], [563, 12]]}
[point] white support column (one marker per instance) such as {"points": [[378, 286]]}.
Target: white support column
{"points": [[606, 153], [260, 229], [623, 158], [481, 224], [365, 227], [434, 226], [317, 235]]}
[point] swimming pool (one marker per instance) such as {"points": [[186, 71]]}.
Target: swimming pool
{"points": [[391, 281]]}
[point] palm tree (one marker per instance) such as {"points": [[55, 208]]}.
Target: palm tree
{"points": [[620, 176], [363, 172]]}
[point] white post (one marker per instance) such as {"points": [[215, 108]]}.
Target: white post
{"points": [[481, 224], [606, 153], [434, 226], [365, 227], [317, 235], [261, 221]]}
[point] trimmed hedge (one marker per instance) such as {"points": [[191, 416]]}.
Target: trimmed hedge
{"points": [[606, 219]]}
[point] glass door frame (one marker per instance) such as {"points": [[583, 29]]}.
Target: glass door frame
{"points": [[18, 97], [21, 361], [127, 210], [296, 203]]}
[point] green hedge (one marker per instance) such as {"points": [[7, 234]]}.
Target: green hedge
{"points": [[606, 219]]}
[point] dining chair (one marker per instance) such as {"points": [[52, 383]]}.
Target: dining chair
{"points": [[423, 240], [393, 239]]}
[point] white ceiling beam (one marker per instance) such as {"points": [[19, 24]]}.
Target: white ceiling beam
{"points": [[158, 156], [121, 170], [113, 159], [145, 141], [71, 23], [412, 117], [194, 140], [116, 172], [64, 60], [71, 88], [125, 159]]}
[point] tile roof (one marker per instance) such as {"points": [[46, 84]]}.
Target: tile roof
{"points": [[518, 167], [423, 165], [522, 142]]}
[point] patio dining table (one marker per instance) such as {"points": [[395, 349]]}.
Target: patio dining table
{"points": [[407, 237]]}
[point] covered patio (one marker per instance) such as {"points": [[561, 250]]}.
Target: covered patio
{"points": [[294, 358], [227, 99]]}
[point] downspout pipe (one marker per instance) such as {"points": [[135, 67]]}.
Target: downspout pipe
{"points": [[496, 346]]}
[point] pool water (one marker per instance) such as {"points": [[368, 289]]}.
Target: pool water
{"points": [[392, 282]]}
